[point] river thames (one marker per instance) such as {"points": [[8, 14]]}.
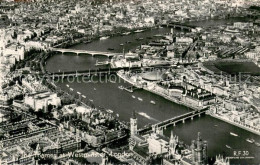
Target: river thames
{"points": [[109, 96]]}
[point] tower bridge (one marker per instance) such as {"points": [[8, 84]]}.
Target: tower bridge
{"points": [[92, 53], [173, 121]]}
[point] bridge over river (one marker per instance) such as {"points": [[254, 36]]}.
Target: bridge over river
{"points": [[181, 26], [93, 53], [91, 72], [173, 121]]}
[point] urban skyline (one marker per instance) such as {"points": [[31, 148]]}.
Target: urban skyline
{"points": [[171, 82]]}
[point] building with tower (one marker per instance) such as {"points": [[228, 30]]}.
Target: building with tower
{"points": [[173, 144], [220, 160], [157, 144], [133, 125], [199, 151]]}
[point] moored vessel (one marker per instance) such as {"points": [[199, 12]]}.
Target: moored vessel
{"points": [[110, 111], [257, 144], [250, 140], [152, 102], [138, 31], [126, 33], [233, 134], [104, 38], [228, 146]]}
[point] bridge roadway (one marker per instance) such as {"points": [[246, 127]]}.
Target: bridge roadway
{"points": [[173, 121], [93, 53], [181, 25], [91, 72]]}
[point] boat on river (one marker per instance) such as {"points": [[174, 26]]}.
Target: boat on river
{"points": [[138, 31], [140, 99], [138, 39], [101, 63], [144, 115], [152, 102], [86, 42], [233, 134], [133, 96], [110, 111], [228, 146], [250, 140], [257, 144], [67, 85], [157, 35], [126, 33], [104, 38]]}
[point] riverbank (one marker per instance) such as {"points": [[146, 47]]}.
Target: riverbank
{"points": [[234, 123], [187, 105], [108, 95], [175, 100], [95, 37]]}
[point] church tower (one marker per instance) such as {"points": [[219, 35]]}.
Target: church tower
{"points": [[173, 144], [133, 125], [199, 151]]}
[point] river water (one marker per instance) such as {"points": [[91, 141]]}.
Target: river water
{"points": [[108, 95]]}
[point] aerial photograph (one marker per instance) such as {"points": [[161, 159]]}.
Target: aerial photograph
{"points": [[129, 82]]}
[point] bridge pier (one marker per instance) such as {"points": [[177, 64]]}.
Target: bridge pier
{"points": [[199, 115], [192, 118], [174, 124], [183, 120]]}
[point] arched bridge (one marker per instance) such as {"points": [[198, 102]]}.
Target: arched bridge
{"points": [[173, 121], [76, 51]]}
